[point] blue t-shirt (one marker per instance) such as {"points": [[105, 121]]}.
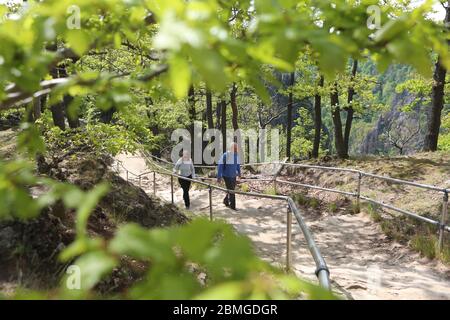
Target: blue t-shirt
{"points": [[229, 165]]}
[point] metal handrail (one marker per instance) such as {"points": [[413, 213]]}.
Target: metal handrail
{"points": [[322, 271], [441, 224], [409, 213], [321, 267], [317, 188], [400, 181], [307, 166]]}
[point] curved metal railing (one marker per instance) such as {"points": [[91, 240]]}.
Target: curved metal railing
{"points": [[357, 194], [322, 271]]}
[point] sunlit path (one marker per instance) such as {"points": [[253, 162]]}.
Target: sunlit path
{"points": [[362, 261]]}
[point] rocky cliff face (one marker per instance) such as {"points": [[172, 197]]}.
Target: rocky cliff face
{"points": [[396, 131]]}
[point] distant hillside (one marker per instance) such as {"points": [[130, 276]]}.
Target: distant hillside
{"points": [[368, 128], [392, 132]]}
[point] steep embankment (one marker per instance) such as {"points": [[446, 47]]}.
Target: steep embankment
{"points": [[29, 249], [364, 261], [426, 168]]}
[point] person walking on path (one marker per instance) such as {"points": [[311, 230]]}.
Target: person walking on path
{"points": [[185, 167], [229, 168]]}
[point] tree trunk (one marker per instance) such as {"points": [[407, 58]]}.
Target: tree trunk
{"points": [[336, 115], [56, 109], [234, 117], [437, 99], [204, 127], [192, 115], [72, 118], [317, 120], [209, 115], [349, 109], [435, 110], [37, 108], [43, 102], [289, 118], [209, 111], [223, 124], [106, 116], [58, 115], [218, 114], [234, 107], [59, 110]]}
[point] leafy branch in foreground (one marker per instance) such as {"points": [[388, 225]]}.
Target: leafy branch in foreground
{"points": [[200, 260], [196, 42]]}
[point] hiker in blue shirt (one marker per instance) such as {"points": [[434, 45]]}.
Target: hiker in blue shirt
{"points": [[229, 168]]}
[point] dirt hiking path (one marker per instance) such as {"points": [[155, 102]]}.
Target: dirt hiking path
{"points": [[363, 263]]}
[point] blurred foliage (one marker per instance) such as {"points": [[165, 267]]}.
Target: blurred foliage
{"points": [[197, 42], [200, 260]]}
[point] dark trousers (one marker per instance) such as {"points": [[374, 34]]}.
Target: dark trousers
{"points": [[230, 198], [185, 185]]}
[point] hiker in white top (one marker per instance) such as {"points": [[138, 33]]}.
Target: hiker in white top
{"points": [[185, 167]]}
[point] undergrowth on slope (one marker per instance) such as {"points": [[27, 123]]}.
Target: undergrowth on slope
{"points": [[270, 191]]}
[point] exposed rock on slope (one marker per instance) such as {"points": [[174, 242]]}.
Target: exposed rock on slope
{"points": [[376, 141], [125, 201], [29, 250]]}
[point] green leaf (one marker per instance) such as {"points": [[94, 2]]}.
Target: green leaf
{"points": [[260, 88], [392, 29], [30, 140], [141, 243], [225, 291], [93, 267], [265, 52], [89, 202], [180, 76], [80, 246], [405, 50], [73, 197], [331, 55], [211, 67], [78, 40], [195, 247], [117, 40]]}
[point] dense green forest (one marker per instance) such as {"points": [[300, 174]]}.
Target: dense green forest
{"points": [[82, 82]]}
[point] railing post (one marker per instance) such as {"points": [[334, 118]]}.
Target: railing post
{"points": [[358, 193], [443, 221], [127, 175], [210, 204], [154, 183], [288, 238], [171, 188], [139, 181]]}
